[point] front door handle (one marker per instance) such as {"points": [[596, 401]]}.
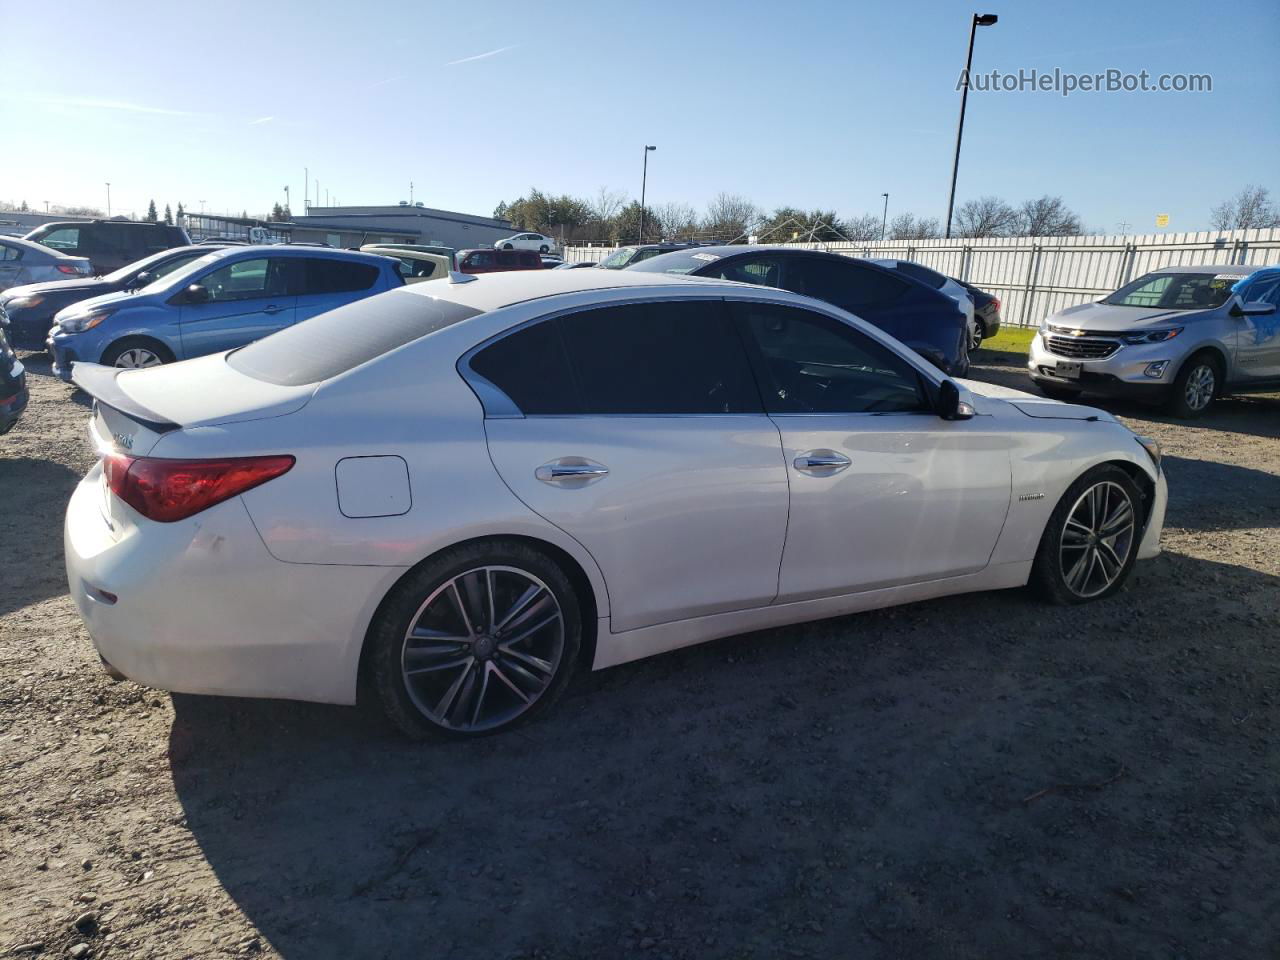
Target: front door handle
{"points": [[821, 462], [272, 310], [571, 472]]}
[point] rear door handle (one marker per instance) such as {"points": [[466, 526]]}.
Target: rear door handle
{"points": [[571, 472], [821, 462], [272, 310]]}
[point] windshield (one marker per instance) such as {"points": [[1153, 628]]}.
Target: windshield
{"points": [[618, 259], [130, 269], [346, 337], [679, 261], [1175, 291]]}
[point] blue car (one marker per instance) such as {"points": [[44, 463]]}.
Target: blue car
{"points": [[926, 320], [225, 299]]}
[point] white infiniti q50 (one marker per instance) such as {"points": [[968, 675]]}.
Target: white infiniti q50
{"points": [[471, 488]]}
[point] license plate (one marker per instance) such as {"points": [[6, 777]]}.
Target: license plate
{"points": [[1070, 371]]}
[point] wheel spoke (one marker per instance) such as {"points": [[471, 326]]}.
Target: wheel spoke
{"points": [[484, 688], [451, 664], [1120, 518], [488, 582], [461, 606], [497, 672], [518, 607], [530, 631], [451, 695], [527, 659], [1073, 576]]}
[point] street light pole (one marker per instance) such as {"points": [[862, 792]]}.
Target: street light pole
{"points": [[979, 20], [885, 222], [644, 180], [108, 201]]}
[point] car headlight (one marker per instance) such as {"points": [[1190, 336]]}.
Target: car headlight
{"points": [[1152, 336], [82, 322], [1152, 446], [22, 303]]}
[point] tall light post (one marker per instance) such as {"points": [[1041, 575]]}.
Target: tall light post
{"points": [[644, 180], [885, 222], [979, 20], [108, 201]]}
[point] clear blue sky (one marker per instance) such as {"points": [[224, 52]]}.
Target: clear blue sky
{"points": [[803, 103]]}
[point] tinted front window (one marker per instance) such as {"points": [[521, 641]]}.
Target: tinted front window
{"points": [[815, 364], [764, 271], [324, 275], [530, 367], [9, 253], [246, 280], [1175, 291], [481, 258], [618, 259], [342, 339], [659, 358], [177, 263]]}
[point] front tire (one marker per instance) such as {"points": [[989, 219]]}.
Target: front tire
{"points": [[508, 246], [1090, 543], [1194, 387], [979, 334], [136, 352], [477, 640], [544, 249]]}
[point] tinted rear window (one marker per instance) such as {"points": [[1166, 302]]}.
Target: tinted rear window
{"points": [[330, 275], [342, 339]]}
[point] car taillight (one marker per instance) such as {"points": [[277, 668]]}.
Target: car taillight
{"points": [[995, 302], [68, 268], [169, 490]]}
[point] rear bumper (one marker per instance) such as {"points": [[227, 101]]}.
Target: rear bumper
{"points": [[63, 356], [14, 397], [200, 606]]}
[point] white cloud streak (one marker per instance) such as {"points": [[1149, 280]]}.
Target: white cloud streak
{"points": [[482, 56], [254, 123], [88, 103]]}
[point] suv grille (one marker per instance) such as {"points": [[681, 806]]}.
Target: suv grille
{"points": [[1081, 348]]}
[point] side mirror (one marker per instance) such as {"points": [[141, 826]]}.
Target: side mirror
{"points": [[142, 279], [950, 406], [197, 293], [1254, 308]]}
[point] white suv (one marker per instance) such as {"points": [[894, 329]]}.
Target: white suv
{"points": [[527, 241]]}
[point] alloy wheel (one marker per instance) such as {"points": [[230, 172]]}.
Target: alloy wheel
{"points": [[138, 357], [1198, 391], [483, 648], [1097, 539]]}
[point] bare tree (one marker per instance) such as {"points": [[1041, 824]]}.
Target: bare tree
{"points": [[985, 217], [863, 228], [1047, 217], [1250, 209], [729, 215], [607, 204], [677, 219], [906, 226]]}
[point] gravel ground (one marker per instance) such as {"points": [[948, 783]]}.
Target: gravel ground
{"points": [[981, 776]]}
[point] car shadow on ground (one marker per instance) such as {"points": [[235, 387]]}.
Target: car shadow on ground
{"points": [[1256, 415], [1208, 495], [851, 787], [37, 492]]}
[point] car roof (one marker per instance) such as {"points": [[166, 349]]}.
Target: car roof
{"points": [[1235, 269], [492, 291], [286, 250]]}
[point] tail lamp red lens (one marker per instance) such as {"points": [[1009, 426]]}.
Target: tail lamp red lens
{"points": [[68, 268], [169, 490]]}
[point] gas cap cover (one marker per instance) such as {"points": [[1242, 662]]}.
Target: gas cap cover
{"points": [[375, 486]]}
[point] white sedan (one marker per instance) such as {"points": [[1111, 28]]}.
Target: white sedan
{"points": [[527, 241], [468, 489]]}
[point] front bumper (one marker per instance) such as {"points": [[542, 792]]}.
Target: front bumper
{"points": [[63, 355], [1150, 545], [200, 606], [14, 397], [1123, 374]]}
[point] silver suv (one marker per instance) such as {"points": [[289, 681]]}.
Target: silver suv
{"points": [[1179, 335]]}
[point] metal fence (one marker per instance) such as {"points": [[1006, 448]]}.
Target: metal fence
{"points": [[1037, 276]]}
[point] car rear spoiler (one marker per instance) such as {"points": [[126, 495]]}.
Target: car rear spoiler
{"points": [[100, 383]]}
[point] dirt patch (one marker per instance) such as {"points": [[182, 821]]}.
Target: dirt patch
{"points": [[873, 786]]}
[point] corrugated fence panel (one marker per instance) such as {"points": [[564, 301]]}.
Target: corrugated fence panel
{"points": [[1037, 276]]}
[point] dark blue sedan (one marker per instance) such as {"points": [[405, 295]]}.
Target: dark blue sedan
{"points": [[923, 318]]}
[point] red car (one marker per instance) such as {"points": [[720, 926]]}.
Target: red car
{"points": [[494, 261]]}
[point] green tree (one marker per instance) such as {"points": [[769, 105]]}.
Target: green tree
{"points": [[24, 208], [180, 211], [152, 216], [626, 225], [789, 223], [277, 212], [168, 215]]}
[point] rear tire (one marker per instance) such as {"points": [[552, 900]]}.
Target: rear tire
{"points": [[1090, 543], [544, 249], [979, 334], [1065, 394], [508, 246], [136, 352], [477, 640], [1195, 386]]}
